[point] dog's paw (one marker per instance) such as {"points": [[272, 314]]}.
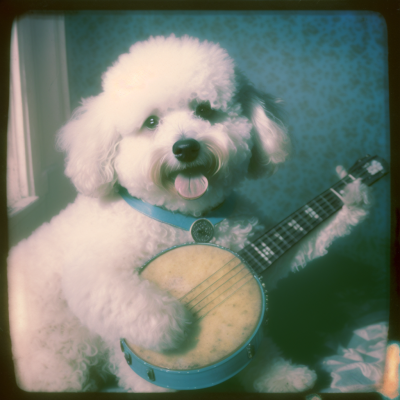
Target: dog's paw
{"points": [[162, 322], [285, 377], [355, 195], [173, 323]]}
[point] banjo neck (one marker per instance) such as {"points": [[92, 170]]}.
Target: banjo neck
{"points": [[269, 247]]}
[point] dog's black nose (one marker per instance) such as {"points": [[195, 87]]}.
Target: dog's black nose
{"points": [[186, 150]]}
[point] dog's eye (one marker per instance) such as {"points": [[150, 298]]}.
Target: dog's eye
{"points": [[205, 111], [151, 122]]}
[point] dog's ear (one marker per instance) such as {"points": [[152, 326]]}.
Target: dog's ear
{"points": [[271, 141], [90, 141]]}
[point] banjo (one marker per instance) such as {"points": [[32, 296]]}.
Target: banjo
{"points": [[223, 291]]}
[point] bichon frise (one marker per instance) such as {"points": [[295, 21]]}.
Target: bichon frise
{"points": [[178, 127]]}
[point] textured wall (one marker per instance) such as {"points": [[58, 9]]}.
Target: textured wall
{"points": [[329, 67]]}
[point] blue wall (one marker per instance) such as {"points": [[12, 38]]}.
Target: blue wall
{"points": [[329, 67]]}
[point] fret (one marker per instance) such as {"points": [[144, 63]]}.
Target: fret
{"points": [[289, 240], [311, 224], [308, 225], [334, 201], [311, 216], [261, 253], [294, 228], [272, 249], [291, 226], [295, 225], [310, 212], [274, 246], [277, 250], [281, 237], [327, 202], [285, 231], [267, 250], [270, 246], [273, 242], [296, 231], [322, 211], [260, 266]]}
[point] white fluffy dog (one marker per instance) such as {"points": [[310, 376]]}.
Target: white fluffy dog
{"points": [[179, 127]]}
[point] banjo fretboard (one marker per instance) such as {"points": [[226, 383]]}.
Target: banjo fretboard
{"points": [[269, 247]]}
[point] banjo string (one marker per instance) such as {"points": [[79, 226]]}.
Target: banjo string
{"points": [[202, 316], [222, 284], [214, 283], [221, 294], [196, 287]]}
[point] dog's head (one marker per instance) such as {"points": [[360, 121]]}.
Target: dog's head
{"points": [[176, 124]]}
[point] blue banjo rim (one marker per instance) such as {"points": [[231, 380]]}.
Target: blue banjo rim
{"points": [[228, 358]]}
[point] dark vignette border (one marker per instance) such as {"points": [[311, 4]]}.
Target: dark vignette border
{"points": [[10, 9]]}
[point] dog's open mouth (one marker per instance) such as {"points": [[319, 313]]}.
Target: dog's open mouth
{"points": [[189, 181], [191, 184]]}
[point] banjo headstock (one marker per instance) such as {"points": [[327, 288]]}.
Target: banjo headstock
{"points": [[370, 169]]}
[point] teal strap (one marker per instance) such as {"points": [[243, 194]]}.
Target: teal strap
{"points": [[175, 218]]}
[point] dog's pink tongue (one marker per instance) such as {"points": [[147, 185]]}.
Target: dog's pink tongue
{"points": [[191, 186]]}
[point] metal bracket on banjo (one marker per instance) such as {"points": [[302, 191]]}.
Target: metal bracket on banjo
{"points": [[250, 351], [151, 375], [128, 358]]}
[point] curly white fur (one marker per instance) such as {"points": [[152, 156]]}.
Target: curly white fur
{"points": [[74, 289]]}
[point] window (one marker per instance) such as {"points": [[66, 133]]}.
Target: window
{"points": [[20, 185], [39, 105]]}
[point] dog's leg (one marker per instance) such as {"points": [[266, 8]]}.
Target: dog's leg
{"points": [[355, 209], [52, 351], [118, 303], [50, 347], [270, 373]]}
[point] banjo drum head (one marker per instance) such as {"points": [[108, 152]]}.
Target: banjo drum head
{"points": [[221, 292]]}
